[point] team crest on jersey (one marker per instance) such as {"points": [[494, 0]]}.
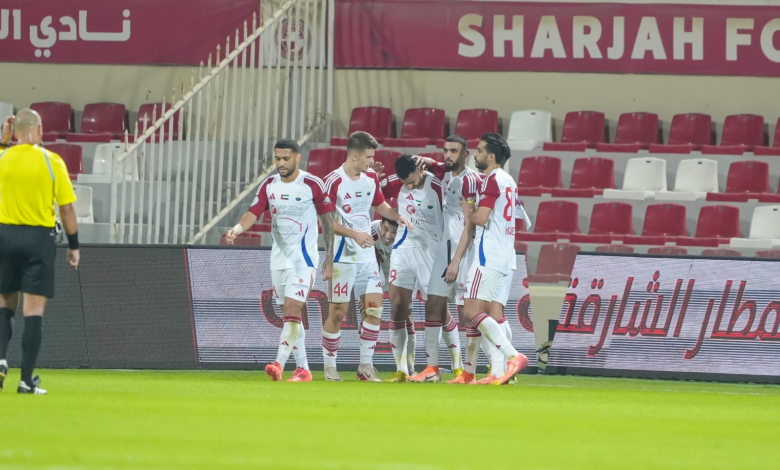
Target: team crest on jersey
{"points": [[347, 208], [273, 210], [327, 200], [298, 198], [430, 205], [411, 209], [368, 194]]}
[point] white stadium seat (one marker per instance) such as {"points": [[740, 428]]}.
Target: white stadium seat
{"points": [[694, 179], [102, 163], [529, 129], [643, 178], [6, 109], [83, 204], [764, 229]]}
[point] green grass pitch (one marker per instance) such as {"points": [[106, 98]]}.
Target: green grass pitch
{"points": [[234, 420]]}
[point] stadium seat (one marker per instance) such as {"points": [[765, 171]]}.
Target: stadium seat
{"points": [[768, 254], [387, 158], [741, 133], [716, 226], [764, 229], [56, 118], [663, 224], [693, 180], [722, 252], [746, 180], [667, 250], [152, 112], [539, 175], [555, 264], [642, 179], [555, 220], [581, 130], [472, 123], [609, 221], [72, 156], [375, 120], [83, 204], [245, 239], [101, 122], [521, 247], [688, 132], [774, 150], [614, 249], [422, 126], [438, 155], [635, 132], [103, 162], [590, 177], [6, 109], [529, 129], [324, 160]]}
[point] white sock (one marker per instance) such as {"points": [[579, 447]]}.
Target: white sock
{"points": [[507, 329], [411, 344], [292, 326], [494, 333], [497, 361], [473, 337], [398, 343], [369, 334], [299, 350], [432, 339], [452, 339], [330, 348]]}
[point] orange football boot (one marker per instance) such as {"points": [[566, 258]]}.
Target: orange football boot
{"points": [[274, 370], [513, 367], [300, 375], [464, 378], [488, 380], [429, 374]]}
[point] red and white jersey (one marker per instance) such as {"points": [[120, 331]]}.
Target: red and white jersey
{"points": [[422, 207], [353, 200], [383, 252], [496, 240], [465, 185], [294, 208]]}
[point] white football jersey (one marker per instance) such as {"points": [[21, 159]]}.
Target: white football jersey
{"points": [[496, 240], [353, 200], [383, 252], [422, 207], [294, 208], [465, 185]]}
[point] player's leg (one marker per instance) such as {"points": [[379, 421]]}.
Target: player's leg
{"points": [[340, 293], [439, 293], [8, 305], [292, 287], [496, 312], [299, 351], [451, 337], [33, 307], [411, 341], [368, 285], [400, 298]]}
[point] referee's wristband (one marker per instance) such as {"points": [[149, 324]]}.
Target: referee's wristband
{"points": [[73, 241]]}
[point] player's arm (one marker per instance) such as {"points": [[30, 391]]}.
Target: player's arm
{"points": [[247, 220], [489, 196], [463, 244], [326, 221], [363, 239], [389, 213]]}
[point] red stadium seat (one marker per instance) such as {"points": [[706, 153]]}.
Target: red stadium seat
{"points": [[746, 180], [688, 132], [539, 175], [245, 239], [609, 221], [519, 227], [581, 130], [387, 158], [635, 131], [722, 252], [72, 156], [323, 161], [521, 247], [768, 254], [422, 126], [555, 220], [151, 114], [101, 122], [614, 249], [438, 156], [375, 120], [472, 123], [556, 262], [741, 133], [667, 250], [590, 177], [56, 119], [773, 151], [663, 224], [717, 225]]}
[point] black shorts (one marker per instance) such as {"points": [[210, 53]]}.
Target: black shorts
{"points": [[27, 260]]}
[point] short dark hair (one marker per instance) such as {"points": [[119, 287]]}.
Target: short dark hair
{"points": [[361, 141], [391, 222], [287, 144], [405, 166], [497, 146], [458, 139]]}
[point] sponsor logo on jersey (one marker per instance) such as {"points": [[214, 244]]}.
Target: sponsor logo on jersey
{"points": [[347, 208], [300, 281], [273, 196], [410, 197], [273, 209], [411, 209], [327, 200], [347, 196]]}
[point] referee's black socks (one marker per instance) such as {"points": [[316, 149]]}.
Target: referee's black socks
{"points": [[6, 330], [31, 344]]}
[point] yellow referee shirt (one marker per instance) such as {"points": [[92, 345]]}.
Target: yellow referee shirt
{"points": [[29, 185]]}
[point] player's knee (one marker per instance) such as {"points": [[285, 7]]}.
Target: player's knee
{"points": [[375, 312]]}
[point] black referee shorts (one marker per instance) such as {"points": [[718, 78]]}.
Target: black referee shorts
{"points": [[27, 260]]}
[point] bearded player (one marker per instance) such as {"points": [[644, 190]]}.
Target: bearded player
{"points": [[295, 199], [354, 188]]}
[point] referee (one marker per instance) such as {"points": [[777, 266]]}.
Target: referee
{"points": [[31, 180]]}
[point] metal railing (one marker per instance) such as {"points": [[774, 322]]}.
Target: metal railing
{"points": [[197, 159]]}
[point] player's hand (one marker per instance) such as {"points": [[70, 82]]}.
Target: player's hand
{"points": [[363, 239], [467, 205], [405, 222], [327, 270], [452, 271], [73, 257], [379, 169], [7, 129], [423, 163], [230, 237]]}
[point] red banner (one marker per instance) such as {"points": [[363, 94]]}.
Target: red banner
{"points": [[119, 32], [559, 37]]}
